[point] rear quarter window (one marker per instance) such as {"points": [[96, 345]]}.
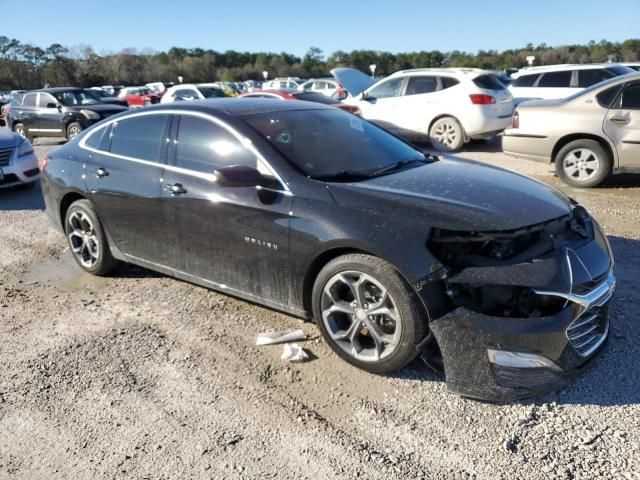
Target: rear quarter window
{"points": [[448, 82], [526, 80], [606, 97], [100, 139], [488, 82]]}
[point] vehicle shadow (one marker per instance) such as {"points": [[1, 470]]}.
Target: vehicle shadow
{"points": [[20, 199], [612, 378]]}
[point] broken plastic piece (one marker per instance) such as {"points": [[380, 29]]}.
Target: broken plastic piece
{"points": [[294, 353], [269, 338]]}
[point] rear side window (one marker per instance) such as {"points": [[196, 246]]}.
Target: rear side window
{"points": [[488, 82], [448, 82], [606, 97], [418, 85], [29, 100], [556, 79], [631, 97], [586, 78], [100, 139], [140, 137], [203, 146], [526, 80]]}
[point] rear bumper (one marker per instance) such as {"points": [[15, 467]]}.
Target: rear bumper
{"points": [[485, 125], [530, 146]]}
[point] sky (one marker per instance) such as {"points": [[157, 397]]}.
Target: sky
{"points": [[294, 26]]}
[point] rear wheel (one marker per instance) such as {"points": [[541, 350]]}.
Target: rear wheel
{"points": [[583, 163], [21, 130], [446, 134], [87, 239], [367, 313]]}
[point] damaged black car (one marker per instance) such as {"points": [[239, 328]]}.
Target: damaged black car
{"points": [[501, 280]]}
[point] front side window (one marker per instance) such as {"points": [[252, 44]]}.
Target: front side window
{"points": [[76, 98], [330, 143], [418, 85], [203, 146], [589, 77], [140, 137], [555, 80], [631, 97], [390, 88], [45, 100]]}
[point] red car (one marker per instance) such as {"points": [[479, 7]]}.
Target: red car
{"points": [[139, 96], [291, 94]]}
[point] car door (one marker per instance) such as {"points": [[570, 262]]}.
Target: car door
{"points": [[622, 125], [234, 237], [380, 103], [49, 115], [420, 99], [123, 174], [29, 117]]}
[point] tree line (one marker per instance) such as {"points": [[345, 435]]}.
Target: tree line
{"points": [[26, 66]]}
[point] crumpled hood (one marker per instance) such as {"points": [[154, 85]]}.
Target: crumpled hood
{"points": [[8, 138], [457, 194]]}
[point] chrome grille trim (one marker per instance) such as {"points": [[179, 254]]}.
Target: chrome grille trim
{"points": [[5, 156]]}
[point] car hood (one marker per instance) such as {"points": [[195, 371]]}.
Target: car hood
{"points": [[354, 81], [457, 194], [8, 138]]}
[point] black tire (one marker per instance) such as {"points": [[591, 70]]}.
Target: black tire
{"points": [[447, 135], [412, 316], [570, 169], [21, 130], [103, 262], [73, 130]]}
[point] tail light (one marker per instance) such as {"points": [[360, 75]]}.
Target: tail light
{"points": [[515, 120], [482, 99], [43, 162]]}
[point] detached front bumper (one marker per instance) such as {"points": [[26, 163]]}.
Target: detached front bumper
{"points": [[496, 358]]}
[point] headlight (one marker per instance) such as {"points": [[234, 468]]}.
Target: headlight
{"points": [[90, 114], [25, 149]]}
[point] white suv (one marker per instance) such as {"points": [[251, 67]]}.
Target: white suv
{"points": [[326, 86], [450, 106], [560, 81]]}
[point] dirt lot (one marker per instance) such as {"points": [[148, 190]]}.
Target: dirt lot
{"points": [[145, 377]]}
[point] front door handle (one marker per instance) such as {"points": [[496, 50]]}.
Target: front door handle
{"points": [[620, 119], [102, 172], [175, 189]]}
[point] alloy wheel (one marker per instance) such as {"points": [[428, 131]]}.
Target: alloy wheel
{"points": [[83, 239], [446, 134], [361, 316], [74, 131], [580, 164], [20, 131]]}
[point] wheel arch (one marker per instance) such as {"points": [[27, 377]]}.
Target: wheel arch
{"points": [[67, 200], [584, 136]]}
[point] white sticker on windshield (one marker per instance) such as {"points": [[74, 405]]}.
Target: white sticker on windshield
{"points": [[356, 124]]}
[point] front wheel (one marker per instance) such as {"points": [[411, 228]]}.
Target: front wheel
{"points": [[73, 130], [367, 313], [87, 239], [446, 134], [583, 163]]}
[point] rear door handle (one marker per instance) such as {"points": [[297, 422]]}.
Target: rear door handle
{"points": [[175, 189], [102, 172], [620, 119]]}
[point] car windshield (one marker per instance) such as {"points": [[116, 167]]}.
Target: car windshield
{"points": [[334, 145], [75, 98]]}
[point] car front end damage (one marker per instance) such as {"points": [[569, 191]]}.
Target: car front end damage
{"points": [[526, 310]]}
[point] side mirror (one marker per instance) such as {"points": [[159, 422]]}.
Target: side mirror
{"points": [[242, 176]]}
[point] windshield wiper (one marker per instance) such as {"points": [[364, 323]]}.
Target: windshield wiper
{"points": [[397, 166]]}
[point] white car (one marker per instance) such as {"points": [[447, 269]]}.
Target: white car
{"points": [[326, 86], [449, 106], [18, 162], [560, 81], [280, 83], [188, 92]]}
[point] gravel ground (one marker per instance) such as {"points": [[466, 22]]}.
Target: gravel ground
{"points": [[142, 376]]}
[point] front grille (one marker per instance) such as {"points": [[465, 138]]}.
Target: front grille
{"points": [[587, 332], [9, 178], [5, 156]]}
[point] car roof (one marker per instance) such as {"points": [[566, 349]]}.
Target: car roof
{"points": [[466, 72], [57, 89], [563, 67], [240, 108]]}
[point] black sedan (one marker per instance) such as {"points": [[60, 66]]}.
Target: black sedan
{"points": [[313, 211]]}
